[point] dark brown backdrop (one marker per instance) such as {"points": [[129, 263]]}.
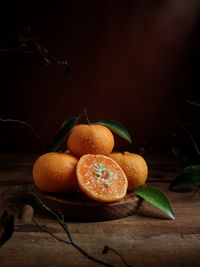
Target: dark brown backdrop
{"points": [[136, 62]]}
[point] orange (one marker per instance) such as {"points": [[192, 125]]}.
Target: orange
{"points": [[56, 172], [101, 178], [90, 139], [69, 152], [134, 166]]}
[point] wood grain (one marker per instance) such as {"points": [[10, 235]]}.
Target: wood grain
{"points": [[147, 238]]}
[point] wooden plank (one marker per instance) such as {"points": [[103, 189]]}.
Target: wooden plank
{"points": [[16, 167], [36, 249], [149, 220], [147, 238]]}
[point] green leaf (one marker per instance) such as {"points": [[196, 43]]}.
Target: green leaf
{"points": [[117, 128], [62, 133], [190, 176], [156, 197]]}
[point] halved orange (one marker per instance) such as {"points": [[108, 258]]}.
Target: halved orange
{"points": [[101, 178]]}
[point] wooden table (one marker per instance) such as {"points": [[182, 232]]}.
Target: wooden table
{"points": [[147, 238]]}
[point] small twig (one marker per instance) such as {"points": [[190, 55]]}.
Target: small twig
{"points": [[67, 231], [18, 50], [193, 103], [42, 52], [106, 249], [24, 124], [65, 226], [47, 231], [196, 191], [192, 139]]}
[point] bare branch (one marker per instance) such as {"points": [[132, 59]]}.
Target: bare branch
{"points": [[45, 230], [106, 249], [24, 124], [17, 50], [192, 139], [61, 221], [193, 103]]}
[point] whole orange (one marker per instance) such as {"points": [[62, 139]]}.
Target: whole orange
{"points": [[90, 139], [134, 166], [56, 172]]}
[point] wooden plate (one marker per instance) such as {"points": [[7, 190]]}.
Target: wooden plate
{"points": [[79, 207]]}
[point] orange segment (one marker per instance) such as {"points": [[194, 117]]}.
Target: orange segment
{"points": [[101, 178]]}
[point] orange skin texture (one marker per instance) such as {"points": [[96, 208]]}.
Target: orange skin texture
{"points": [[93, 186], [90, 139], [134, 166], [56, 172]]}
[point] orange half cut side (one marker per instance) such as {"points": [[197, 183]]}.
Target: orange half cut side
{"points": [[101, 178]]}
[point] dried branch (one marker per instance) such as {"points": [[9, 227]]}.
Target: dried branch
{"points": [[192, 139], [196, 191], [30, 45], [23, 124], [61, 221], [193, 103], [17, 50], [50, 233], [106, 249]]}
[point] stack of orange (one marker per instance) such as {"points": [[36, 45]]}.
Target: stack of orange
{"points": [[90, 165]]}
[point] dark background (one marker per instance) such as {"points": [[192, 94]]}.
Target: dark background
{"points": [[136, 62]]}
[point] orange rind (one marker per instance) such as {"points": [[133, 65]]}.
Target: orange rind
{"points": [[134, 166], [56, 173], [90, 139]]}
